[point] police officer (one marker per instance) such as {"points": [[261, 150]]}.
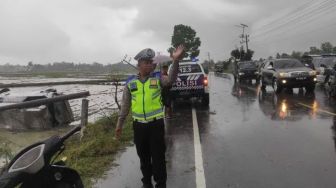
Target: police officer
{"points": [[143, 96]]}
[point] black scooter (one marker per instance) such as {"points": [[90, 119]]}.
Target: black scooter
{"points": [[34, 166]]}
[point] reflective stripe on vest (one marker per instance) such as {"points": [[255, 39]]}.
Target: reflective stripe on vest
{"points": [[146, 99]]}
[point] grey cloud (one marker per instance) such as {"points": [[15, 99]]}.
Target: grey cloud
{"points": [[37, 36]]}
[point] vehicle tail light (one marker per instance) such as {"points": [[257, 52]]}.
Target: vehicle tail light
{"points": [[205, 81]]}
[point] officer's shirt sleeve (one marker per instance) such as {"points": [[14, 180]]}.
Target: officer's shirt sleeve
{"points": [[125, 106], [172, 75]]}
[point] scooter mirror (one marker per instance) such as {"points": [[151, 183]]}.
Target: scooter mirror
{"points": [[31, 161]]}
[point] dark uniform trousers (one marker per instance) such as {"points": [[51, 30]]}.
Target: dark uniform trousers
{"points": [[149, 139]]}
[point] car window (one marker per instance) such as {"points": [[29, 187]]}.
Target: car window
{"points": [[247, 65], [190, 68], [287, 63]]}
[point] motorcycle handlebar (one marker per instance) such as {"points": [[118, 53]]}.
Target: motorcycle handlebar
{"points": [[70, 133]]}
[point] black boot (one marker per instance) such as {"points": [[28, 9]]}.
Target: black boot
{"points": [[147, 186], [160, 186]]}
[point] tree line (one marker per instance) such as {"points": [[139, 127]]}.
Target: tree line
{"points": [[69, 67], [325, 48], [182, 34]]}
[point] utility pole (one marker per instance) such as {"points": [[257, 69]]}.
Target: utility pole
{"points": [[244, 38], [247, 40], [209, 61]]}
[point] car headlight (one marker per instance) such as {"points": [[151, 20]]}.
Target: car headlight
{"points": [[284, 74], [312, 73], [241, 73], [256, 72]]}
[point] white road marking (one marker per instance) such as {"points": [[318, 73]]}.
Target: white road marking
{"points": [[199, 169], [318, 110]]}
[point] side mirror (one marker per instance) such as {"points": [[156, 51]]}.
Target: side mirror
{"points": [[270, 67]]}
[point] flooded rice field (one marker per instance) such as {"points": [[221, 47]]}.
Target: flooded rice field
{"points": [[101, 103], [41, 79]]}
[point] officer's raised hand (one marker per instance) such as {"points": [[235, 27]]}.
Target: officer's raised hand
{"points": [[178, 53]]}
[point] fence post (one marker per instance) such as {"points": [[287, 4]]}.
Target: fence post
{"points": [[84, 115]]}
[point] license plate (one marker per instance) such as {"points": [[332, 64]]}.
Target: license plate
{"points": [[186, 83], [301, 78]]}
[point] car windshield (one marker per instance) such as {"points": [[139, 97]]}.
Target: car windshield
{"points": [[328, 61], [190, 68], [247, 65], [287, 63]]}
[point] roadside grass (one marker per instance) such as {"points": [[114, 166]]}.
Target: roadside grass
{"points": [[94, 154]]}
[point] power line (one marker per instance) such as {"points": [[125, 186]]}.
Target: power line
{"points": [[324, 6], [301, 34], [291, 13], [300, 24], [283, 20]]}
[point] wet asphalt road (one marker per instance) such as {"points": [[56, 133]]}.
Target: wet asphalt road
{"points": [[249, 138]]}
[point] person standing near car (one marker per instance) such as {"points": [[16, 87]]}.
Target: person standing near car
{"points": [[166, 99], [143, 96]]}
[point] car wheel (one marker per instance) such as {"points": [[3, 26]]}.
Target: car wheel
{"points": [[276, 87], [289, 90], [205, 99], [310, 88]]}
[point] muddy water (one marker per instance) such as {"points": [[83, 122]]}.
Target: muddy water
{"points": [[101, 103], [21, 80], [16, 141]]}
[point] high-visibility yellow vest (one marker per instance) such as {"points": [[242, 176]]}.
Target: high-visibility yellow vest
{"points": [[146, 99]]}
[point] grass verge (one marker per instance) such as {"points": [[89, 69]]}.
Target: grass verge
{"points": [[94, 154]]}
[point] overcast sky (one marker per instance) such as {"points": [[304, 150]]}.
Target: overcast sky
{"points": [[84, 31]]}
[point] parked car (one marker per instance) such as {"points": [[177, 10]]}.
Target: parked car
{"points": [[191, 82], [287, 73], [324, 65], [246, 70]]}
